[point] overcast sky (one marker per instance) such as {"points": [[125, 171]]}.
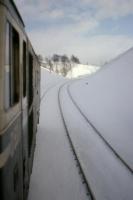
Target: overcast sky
{"points": [[94, 30]]}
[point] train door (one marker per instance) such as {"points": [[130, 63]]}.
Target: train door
{"points": [[25, 121], [30, 104], [11, 172]]}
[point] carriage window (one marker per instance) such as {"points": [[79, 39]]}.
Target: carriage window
{"points": [[30, 79], [11, 67], [7, 68], [24, 69], [15, 68]]}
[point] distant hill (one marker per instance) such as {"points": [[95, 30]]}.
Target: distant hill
{"points": [[81, 70], [69, 69]]}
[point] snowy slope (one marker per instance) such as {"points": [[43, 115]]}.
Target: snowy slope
{"points": [[100, 126], [106, 175], [106, 99], [79, 70]]}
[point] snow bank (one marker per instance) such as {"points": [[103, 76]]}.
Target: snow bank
{"points": [[104, 143], [107, 177], [80, 70], [106, 98]]}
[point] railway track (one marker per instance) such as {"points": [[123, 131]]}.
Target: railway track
{"points": [[96, 131], [66, 87], [48, 89], [78, 164]]}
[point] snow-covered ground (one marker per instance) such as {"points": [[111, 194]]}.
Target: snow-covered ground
{"points": [[84, 141], [77, 70], [80, 70], [55, 175], [48, 80]]}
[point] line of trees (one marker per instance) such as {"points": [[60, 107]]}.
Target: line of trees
{"points": [[60, 64]]}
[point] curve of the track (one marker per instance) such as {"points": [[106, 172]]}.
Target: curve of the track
{"points": [[95, 129], [81, 171]]}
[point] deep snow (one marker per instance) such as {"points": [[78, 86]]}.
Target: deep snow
{"points": [[105, 99], [48, 80], [79, 70], [106, 175], [109, 103], [55, 175]]}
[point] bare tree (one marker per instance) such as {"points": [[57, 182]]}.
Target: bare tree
{"points": [[74, 59], [66, 65], [56, 59], [40, 59], [49, 63]]}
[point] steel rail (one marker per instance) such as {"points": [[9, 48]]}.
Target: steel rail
{"points": [[96, 130], [81, 171]]}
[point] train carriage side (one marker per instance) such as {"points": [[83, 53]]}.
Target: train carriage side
{"points": [[33, 100], [18, 111], [11, 171], [37, 88]]}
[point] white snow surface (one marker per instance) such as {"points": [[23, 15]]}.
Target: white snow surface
{"points": [[108, 178], [55, 175], [48, 80], [80, 70], [105, 99]]}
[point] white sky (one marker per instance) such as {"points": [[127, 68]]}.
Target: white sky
{"points": [[94, 30]]}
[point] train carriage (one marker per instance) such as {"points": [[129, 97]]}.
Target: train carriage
{"points": [[19, 103]]}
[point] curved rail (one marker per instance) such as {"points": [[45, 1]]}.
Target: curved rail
{"points": [[81, 171], [49, 88], [96, 131]]}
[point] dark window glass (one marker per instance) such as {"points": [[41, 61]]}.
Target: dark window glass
{"points": [[14, 67], [11, 66], [30, 78]]}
